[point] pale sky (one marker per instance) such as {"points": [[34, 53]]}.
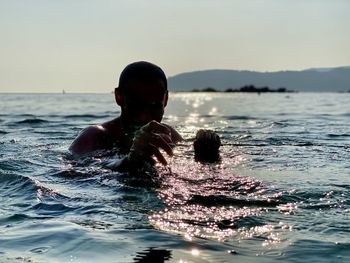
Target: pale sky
{"points": [[82, 45]]}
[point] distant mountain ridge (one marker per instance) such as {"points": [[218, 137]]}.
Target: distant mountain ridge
{"points": [[315, 79]]}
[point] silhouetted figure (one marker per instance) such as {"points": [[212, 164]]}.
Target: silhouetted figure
{"points": [[206, 146], [142, 95]]}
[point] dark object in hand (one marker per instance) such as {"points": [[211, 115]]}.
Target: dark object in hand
{"points": [[206, 146]]}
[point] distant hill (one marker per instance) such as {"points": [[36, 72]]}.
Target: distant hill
{"points": [[316, 79]]}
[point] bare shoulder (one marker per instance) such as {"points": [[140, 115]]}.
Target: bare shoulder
{"points": [[90, 139]]}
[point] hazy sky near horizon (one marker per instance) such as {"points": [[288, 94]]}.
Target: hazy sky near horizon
{"points": [[82, 45]]}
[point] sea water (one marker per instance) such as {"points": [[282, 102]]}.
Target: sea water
{"points": [[281, 191]]}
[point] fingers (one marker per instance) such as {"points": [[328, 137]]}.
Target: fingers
{"points": [[146, 155], [159, 155], [156, 127], [142, 140], [161, 141], [160, 136], [150, 139]]}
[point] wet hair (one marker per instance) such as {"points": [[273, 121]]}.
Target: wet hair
{"points": [[206, 146], [141, 71]]}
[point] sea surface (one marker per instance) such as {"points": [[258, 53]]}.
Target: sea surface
{"points": [[281, 191]]}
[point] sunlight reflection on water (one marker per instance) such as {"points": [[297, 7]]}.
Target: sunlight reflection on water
{"points": [[280, 191], [206, 201]]}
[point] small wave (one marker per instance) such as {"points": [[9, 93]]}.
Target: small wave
{"points": [[153, 255], [79, 172], [301, 196], [93, 224], [70, 174], [17, 115], [64, 135], [206, 116], [32, 121], [311, 250], [27, 115], [214, 200], [282, 141], [237, 117], [23, 190], [16, 165], [93, 209], [346, 186], [320, 206], [14, 184], [20, 217], [248, 222], [40, 250], [281, 124], [3, 132], [316, 200], [13, 218], [51, 209], [332, 135], [82, 116]]}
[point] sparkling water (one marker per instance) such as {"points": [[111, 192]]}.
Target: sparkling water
{"points": [[281, 191]]}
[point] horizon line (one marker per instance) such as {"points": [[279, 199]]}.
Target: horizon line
{"points": [[260, 71], [184, 91]]}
